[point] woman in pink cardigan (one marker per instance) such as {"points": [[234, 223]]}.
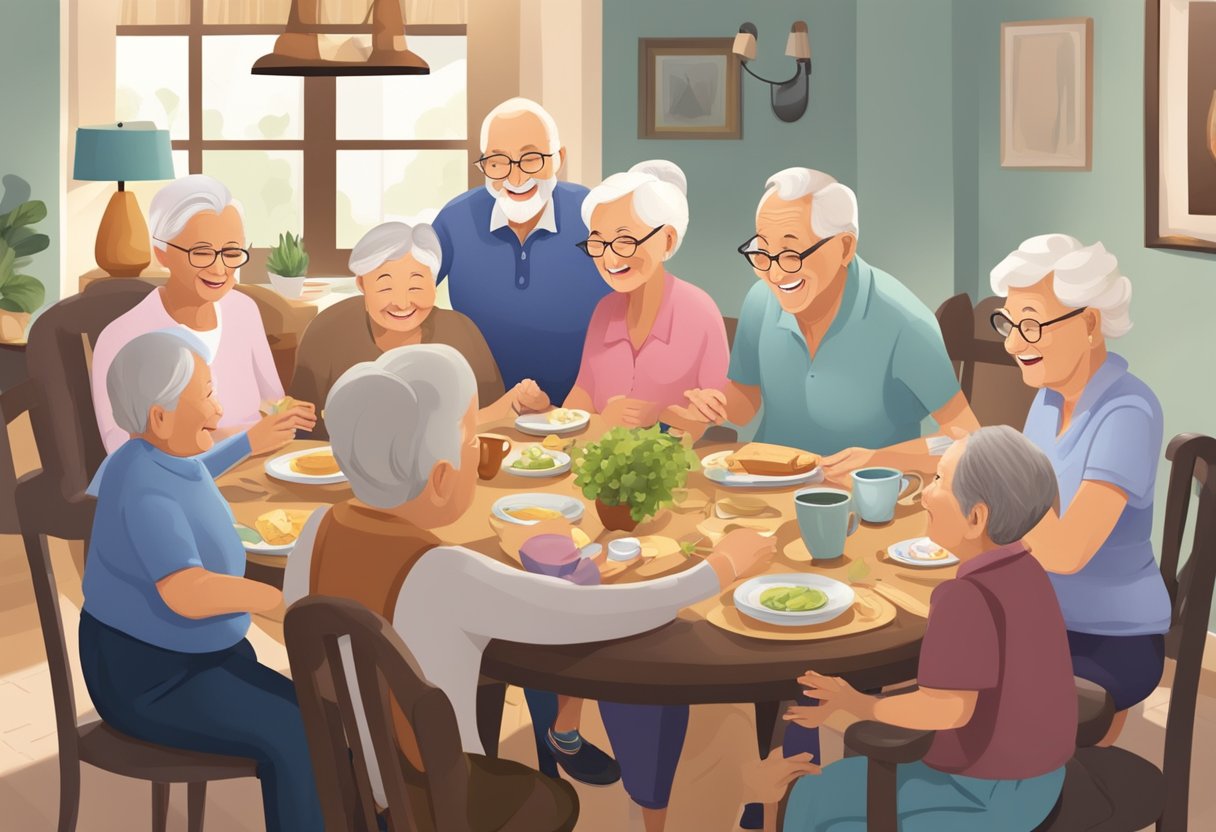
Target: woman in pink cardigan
{"points": [[198, 234]]}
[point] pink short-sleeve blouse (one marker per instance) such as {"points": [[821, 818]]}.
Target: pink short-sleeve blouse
{"points": [[686, 348]]}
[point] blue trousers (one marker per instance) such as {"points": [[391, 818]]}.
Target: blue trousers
{"points": [[927, 800], [646, 739], [219, 703]]}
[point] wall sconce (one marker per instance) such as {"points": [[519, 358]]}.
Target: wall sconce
{"points": [[789, 97]]}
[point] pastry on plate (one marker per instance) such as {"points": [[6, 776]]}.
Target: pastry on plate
{"points": [[319, 464], [760, 459], [281, 526]]}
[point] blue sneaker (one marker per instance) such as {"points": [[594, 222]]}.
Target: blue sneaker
{"points": [[582, 761], [753, 816]]}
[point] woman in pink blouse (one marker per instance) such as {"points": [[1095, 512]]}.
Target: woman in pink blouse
{"points": [[199, 236], [655, 336]]}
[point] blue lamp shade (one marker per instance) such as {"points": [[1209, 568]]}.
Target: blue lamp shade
{"points": [[129, 151]]}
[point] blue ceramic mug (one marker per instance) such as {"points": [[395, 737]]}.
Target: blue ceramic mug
{"points": [[825, 519], [877, 490]]}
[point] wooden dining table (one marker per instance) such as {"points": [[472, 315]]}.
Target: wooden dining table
{"points": [[690, 660]]}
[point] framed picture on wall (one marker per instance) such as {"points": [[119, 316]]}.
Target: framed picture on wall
{"points": [[1047, 94], [688, 88], [1180, 125]]}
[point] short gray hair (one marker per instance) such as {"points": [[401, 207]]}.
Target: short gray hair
{"points": [[151, 370], [392, 241], [833, 205], [1005, 471], [178, 202], [393, 419], [515, 106], [1081, 276], [658, 190]]}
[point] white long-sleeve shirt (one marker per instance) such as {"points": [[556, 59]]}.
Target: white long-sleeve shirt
{"points": [[456, 600]]}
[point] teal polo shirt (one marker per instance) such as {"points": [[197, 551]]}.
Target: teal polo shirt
{"points": [[881, 369]]}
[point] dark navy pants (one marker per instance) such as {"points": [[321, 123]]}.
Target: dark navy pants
{"points": [[219, 703], [646, 740]]}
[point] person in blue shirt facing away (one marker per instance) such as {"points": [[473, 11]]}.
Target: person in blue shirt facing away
{"points": [[166, 604], [509, 252]]}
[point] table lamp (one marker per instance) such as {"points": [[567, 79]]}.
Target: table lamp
{"points": [[131, 151]]}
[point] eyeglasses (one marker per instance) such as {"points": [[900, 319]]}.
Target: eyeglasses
{"points": [[788, 260], [498, 165], [203, 257], [1030, 329], [623, 246]]}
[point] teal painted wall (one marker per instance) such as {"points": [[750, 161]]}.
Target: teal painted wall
{"points": [[29, 121], [726, 178]]}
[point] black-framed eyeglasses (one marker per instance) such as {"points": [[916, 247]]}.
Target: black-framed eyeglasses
{"points": [[202, 257], [1030, 329], [498, 165], [788, 260], [623, 246]]}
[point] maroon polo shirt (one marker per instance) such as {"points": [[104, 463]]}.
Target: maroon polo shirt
{"points": [[997, 629]]}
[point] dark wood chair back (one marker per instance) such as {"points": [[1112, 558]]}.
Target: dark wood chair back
{"points": [[732, 325], [386, 675], [1192, 473], [988, 376], [283, 323]]}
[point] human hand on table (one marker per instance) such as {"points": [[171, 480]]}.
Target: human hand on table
{"points": [[707, 405], [834, 694], [630, 413], [274, 431], [741, 553], [527, 397], [837, 467], [766, 781]]}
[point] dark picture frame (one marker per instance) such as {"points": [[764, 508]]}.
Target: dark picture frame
{"points": [[689, 88], [1170, 199]]}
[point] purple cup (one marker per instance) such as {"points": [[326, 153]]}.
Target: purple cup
{"points": [[556, 555]]}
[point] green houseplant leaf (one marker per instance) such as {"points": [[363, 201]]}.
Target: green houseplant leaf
{"points": [[22, 293], [26, 242], [637, 467], [288, 258], [27, 213]]}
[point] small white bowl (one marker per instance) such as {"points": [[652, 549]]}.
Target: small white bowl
{"points": [[624, 549]]}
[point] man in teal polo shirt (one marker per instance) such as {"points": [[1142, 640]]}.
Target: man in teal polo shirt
{"points": [[842, 356]]}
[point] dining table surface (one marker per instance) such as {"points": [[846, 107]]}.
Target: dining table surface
{"points": [[690, 660]]}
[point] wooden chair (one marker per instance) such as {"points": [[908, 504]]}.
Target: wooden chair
{"points": [[989, 376], [456, 789], [1110, 789], [51, 503], [284, 324]]}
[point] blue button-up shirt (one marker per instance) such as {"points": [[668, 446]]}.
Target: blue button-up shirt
{"points": [[158, 514], [1115, 437], [531, 301]]}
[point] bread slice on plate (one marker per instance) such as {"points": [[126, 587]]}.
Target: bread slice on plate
{"points": [[764, 460]]}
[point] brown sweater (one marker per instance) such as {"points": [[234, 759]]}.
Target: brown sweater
{"points": [[365, 555], [341, 337]]}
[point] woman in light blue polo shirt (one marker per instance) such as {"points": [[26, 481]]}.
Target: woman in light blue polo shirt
{"points": [[1102, 428]]}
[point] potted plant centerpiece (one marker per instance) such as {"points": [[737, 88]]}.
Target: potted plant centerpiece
{"points": [[287, 265], [20, 294], [631, 473]]}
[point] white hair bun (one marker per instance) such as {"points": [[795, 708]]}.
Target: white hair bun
{"points": [[664, 171]]}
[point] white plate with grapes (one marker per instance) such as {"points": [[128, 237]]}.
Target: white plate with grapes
{"points": [[535, 461], [560, 421]]}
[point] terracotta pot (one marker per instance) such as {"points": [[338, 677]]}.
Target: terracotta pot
{"points": [[616, 518], [13, 324]]}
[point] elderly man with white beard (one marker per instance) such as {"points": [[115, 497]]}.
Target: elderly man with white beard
{"points": [[510, 256], [513, 267]]}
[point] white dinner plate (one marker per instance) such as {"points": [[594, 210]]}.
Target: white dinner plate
{"points": [[538, 424], [562, 464], [280, 469], [747, 599], [901, 553], [570, 508], [261, 547], [718, 473]]}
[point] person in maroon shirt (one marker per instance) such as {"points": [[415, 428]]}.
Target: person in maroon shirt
{"points": [[995, 677]]}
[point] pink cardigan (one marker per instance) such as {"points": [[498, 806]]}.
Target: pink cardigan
{"points": [[243, 369]]}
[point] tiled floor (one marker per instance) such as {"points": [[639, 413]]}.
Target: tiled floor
{"points": [[707, 791]]}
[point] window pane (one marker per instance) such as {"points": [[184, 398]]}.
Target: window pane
{"points": [[151, 82], [246, 11], [144, 191], [154, 12], [410, 106], [379, 185], [269, 186], [240, 105]]}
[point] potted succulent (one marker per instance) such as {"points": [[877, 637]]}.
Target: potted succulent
{"points": [[631, 473], [287, 265], [20, 294]]}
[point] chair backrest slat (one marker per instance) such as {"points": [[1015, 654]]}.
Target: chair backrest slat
{"points": [[1191, 593]]}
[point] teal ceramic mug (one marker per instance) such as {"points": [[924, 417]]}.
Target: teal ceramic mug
{"points": [[825, 519], [877, 490]]}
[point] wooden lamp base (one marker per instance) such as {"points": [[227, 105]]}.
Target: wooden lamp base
{"points": [[123, 248]]}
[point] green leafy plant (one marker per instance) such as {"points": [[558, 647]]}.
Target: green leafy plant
{"points": [[18, 243], [637, 467], [288, 258]]}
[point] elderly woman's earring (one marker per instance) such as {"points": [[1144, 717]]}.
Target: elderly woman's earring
{"points": [[1091, 339]]}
